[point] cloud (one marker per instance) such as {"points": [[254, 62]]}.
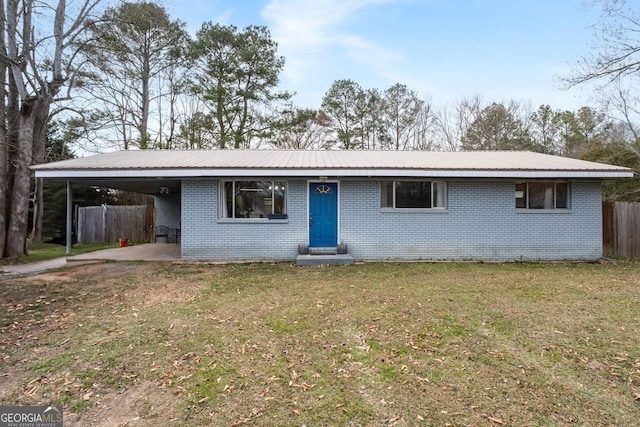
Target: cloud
{"points": [[314, 35], [312, 23]]}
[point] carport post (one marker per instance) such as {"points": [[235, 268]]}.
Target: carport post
{"points": [[69, 216]]}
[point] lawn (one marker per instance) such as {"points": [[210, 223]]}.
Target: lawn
{"points": [[47, 251], [371, 344]]}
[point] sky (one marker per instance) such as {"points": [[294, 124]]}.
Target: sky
{"points": [[444, 50]]}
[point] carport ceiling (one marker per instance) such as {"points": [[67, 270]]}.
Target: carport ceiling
{"points": [[151, 186]]}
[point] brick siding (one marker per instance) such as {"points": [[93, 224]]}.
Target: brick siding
{"points": [[479, 223], [166, 210]]}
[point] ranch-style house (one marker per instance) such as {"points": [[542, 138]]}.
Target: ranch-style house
{"points": [[277, 205]]}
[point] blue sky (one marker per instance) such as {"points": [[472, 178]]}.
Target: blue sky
{"points": [[442, 49]]}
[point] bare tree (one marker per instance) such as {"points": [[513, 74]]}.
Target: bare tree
{"points": [[4, 134], [424, 137], [616, 53], [446, 132], [39, 66], [615, 64], [623, 100], [452, 121], [134, 62]]}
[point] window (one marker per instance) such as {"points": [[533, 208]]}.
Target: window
{"points": [[253, 199], [542, 195], [413, 194], [323, 189]]}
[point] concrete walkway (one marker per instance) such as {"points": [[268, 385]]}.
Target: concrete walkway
{"points": [[146, 252]]}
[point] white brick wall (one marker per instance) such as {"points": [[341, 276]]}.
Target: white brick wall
{"points": [[480, 223], [206, 237], [166, 210]]}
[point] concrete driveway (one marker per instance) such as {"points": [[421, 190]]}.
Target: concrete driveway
{"points": [[145, 252]]}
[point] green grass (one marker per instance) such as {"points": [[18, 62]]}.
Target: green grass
{"points": [[47, 251], [48, 365], [372, 344]]}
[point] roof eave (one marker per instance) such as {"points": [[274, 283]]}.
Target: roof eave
{"points": [[60, 174]]}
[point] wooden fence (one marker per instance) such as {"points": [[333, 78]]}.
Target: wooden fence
{"points": [[621, 229], [107, 224]]}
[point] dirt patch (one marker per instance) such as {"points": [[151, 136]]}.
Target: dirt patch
{"points": [[61, 340], [144, 404], [56, 276]]}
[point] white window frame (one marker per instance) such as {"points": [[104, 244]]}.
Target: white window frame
{"points": [[222, 205], [439, 191], [526, 195]]}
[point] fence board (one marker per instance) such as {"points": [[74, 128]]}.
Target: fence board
{"points": [[91, 224], [107, 224], [621, 229]]}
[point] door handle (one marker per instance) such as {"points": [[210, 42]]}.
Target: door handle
{"points": [[310, 220]]}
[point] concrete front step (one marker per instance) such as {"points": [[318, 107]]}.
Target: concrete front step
{"points": [[310, 260]]}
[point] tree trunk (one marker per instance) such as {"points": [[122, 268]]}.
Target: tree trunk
{"points": [[28, 102], [12, 135], [239, 133], [41, 121], [146, 100], [38, 212], [220, 119], [4, 140], [4, 179], [19, 199]]}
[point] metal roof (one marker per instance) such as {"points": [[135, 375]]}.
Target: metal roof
{"points": [[342, 163], [145, 170]]}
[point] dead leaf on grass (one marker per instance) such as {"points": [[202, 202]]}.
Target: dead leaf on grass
{"points": [[495, 420], [254, 414], [270, 380], [241, 422], [306, 386]]}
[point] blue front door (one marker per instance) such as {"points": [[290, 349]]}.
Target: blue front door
{"points": [[323, 215]]}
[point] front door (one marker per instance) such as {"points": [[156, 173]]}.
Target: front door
{"points": [[323, 214]]}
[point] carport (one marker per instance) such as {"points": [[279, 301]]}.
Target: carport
{"points": [[143, 181]]}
